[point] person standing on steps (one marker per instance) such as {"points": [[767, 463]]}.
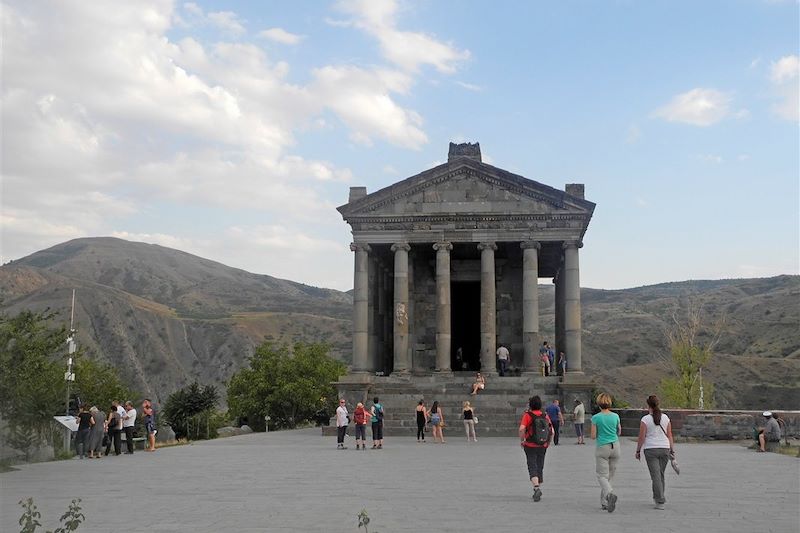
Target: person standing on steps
{"points": [[606, 429], [556, 418], [469, 421], [535, 433], [422, 419], [377, 423], [342, 419], [502, 359]]}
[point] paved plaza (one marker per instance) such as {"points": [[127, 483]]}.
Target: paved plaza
{"points": [[298, 481]]}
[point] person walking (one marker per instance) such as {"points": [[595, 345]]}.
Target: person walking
{"points": [[422, 419], [360, 419], [655, 438], [606, 430], [535, 433], [128, 424], [342, 419], [556, 418], [579, 415], [96, 434], [114, 427], [469, 421], [437, 422], [502, 359], [377, 423], [85, 423]]}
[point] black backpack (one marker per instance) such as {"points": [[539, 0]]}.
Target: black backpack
{"points": [[538, 431]]}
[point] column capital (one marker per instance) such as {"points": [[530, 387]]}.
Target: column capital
{"points": [[403, 246], [443, 246], [526, 245], [487, 246], [572, 244], [360, 246]]}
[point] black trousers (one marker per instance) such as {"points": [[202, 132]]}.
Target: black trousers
{"points": [[341, 431], [556, 429], [129, 438], [113, 437], [535, 459]]}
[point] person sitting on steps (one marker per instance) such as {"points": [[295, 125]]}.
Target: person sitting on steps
{"points": [[479, 385]]}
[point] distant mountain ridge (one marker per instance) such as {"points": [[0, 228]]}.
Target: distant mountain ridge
{"points": [[165, 318]]}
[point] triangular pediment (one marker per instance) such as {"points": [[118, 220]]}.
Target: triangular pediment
{"points": [[466, 187]]}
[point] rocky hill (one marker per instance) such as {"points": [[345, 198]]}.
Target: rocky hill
{"points": [[165, 318]]}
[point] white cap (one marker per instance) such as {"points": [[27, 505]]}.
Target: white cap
{"points": [[767, 413]]}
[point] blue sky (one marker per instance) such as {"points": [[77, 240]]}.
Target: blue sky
{"points": [[232, 130]]}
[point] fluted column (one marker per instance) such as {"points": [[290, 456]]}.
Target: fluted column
{"points": [[401, 362], [530, 305], [488, 307], [572, 306], [443, 330], [557, 343], [360, 307]]}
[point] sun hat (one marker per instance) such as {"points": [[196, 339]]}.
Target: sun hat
{"points": [[767, 414]]}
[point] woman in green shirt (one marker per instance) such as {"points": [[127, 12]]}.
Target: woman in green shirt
{"points": [[606, 429]]}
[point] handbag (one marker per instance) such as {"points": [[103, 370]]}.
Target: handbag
{"points": [[672, 461], [475, 419]]}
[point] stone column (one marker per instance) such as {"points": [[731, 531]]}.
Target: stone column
{"points": [[443, 331], [372, 358], [572, 306], [558, 342], [488, 307], [361, 307], [530, 305], [400, 317]]}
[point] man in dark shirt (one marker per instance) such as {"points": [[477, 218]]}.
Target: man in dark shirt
{"points": [[556, 418]]}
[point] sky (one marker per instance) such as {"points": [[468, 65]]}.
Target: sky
{"points": [[233, 130]]}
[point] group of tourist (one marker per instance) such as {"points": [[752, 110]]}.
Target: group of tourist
{"points": [[96, 429], [550, 364], [360, 415], [538, 429]]}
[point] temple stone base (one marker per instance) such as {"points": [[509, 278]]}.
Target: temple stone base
{"points": [[499, 407]]}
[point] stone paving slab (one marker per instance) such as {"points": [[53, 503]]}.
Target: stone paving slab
{"points": [[297, 481]]}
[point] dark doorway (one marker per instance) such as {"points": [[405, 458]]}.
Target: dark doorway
{"points": [[466, 325]]}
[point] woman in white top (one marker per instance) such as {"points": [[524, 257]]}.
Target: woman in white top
{"points": [[655, 438]]}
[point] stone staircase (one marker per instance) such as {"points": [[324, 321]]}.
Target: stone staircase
{"points": [[499, 407]]}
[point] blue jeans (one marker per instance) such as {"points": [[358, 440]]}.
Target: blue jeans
{"points": [[82, 441], [503, 366]]}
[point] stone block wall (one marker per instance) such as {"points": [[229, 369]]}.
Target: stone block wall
{"points": [[716, 424]]}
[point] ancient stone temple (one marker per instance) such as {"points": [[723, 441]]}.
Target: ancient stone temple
{"points": [[448, 264]]}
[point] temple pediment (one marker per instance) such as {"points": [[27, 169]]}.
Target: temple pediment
{"points": [[466, 189]]}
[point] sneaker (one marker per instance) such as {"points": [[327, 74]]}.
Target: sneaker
{"points": [[537, 494], [358, 446], [374, 446], [659, 506], [612, 502]]}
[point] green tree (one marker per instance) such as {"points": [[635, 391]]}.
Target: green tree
{"points": [[691, 345], [31, 375], [189, 408], [288, 385], [98, 383], [32, 386]]}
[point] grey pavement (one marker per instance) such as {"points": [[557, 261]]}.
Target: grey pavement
{"points": [[298, 481]]}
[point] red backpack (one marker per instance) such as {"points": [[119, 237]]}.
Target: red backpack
{"points": [[360, 416]]}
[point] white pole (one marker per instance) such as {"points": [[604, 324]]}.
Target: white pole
{"points": [[701, 387]]}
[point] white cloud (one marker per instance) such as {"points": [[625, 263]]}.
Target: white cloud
{"points": [[784, 75], [470, 86], [361, 98], [409, 50], [227, 21], [710, 158], [279, 35], [698, 107]]}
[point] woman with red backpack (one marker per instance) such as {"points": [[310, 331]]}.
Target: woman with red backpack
{"points": [[535, 433]]}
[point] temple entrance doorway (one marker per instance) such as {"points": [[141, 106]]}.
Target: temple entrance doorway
{"points": [[466, 326]]}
